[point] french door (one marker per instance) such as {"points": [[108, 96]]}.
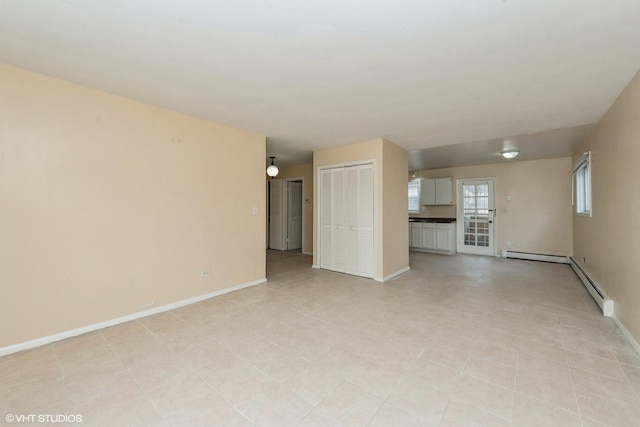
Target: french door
{"points": [[476, 217]]}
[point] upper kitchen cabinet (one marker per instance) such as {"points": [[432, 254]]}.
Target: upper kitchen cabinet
{"points": [[436, 191]]}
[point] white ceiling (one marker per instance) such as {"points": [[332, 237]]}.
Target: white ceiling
{"points": [[542, 145], [318, 73]]}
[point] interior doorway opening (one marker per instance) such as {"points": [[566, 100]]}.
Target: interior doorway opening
{"points": [[285, 214]]}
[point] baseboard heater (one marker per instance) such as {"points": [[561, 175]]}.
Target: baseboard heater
{"points": [[535, 257], [598, 295]]}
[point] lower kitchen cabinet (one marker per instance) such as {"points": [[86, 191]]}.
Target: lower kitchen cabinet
{"points": [[428, 235], [432, 237], [415, 234]]}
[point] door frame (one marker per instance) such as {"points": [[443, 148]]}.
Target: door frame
{"points": [[285, 215], [460, 215]]}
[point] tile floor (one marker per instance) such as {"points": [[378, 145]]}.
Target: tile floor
{"points": [[457, 341]]}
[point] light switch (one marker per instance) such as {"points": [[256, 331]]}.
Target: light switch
{"points": [[255, 211], [509, 198]]}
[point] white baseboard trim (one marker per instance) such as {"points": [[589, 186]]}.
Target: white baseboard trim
{"points": [[316, 266], [535, 257], [632, 341], [307, 253], [432, 251], [105, 324], [392, 275], [597, 293]]}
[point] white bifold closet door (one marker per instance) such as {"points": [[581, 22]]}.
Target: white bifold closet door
{"points": [[326, 224], [347, 221], [363, 266], [338, 242]]}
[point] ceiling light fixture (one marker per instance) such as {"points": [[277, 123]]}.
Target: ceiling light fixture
{"points": [[509, 154], [272, 170]]}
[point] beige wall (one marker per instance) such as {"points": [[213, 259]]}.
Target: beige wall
{"points": [[108, 205], [304, 171], [607, 245], [375, 150], [538, 219], [395, 201]]}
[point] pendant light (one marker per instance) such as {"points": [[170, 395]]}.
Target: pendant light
{"points": [[272, 170]]}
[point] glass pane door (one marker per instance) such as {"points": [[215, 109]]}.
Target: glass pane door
{"points": [[475, 217]]}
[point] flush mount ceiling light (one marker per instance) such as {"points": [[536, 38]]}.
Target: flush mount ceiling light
{"points": [[509, 154], [272, 170]]}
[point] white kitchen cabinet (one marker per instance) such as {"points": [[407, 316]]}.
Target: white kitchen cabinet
{"points": [[443, 234], [433, 237], [444, 191], [436, 191], [415, 236], [428, 235], [428, 192]]}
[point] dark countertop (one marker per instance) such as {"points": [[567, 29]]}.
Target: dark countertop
{"points": [[438, 220]]}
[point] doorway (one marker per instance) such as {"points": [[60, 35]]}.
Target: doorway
{"points": [[274, 218], [476, 216], [293, 235], [285, 214]]}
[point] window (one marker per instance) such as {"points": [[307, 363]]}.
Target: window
{"points": [[582, 184], [414, 196]]}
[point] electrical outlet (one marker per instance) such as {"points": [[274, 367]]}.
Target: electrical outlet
{"points": [[205, 273]]}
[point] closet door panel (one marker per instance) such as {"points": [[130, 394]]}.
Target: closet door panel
{"points": [[338, 238], [351, 204], [325, 219], [366, 251], [365, 197]]}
